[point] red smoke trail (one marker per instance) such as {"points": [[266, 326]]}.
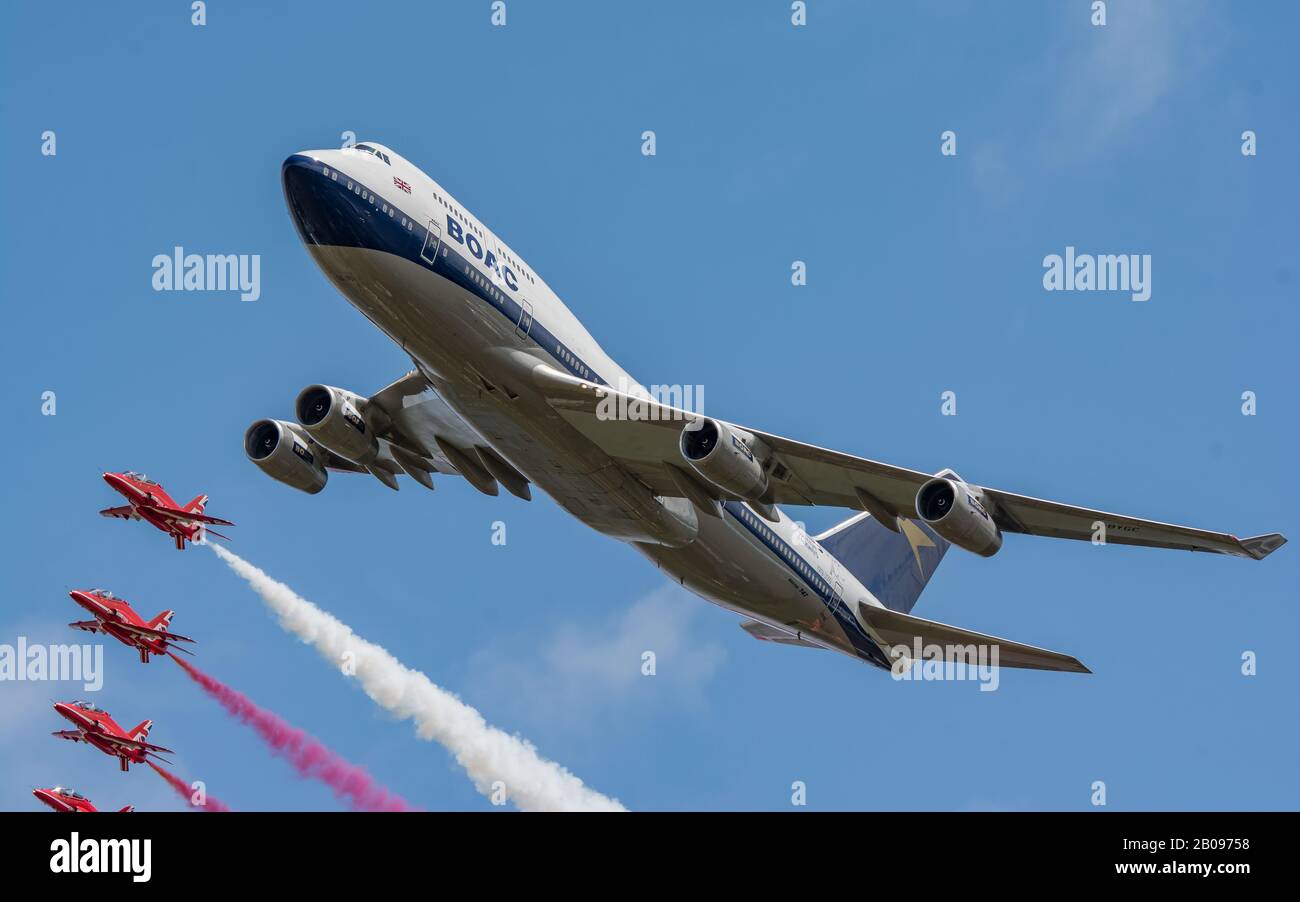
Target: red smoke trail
{"points": [[306, 753], [211, 803]]}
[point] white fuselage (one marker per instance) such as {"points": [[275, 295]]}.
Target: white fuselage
{"points": [[473, 317]]}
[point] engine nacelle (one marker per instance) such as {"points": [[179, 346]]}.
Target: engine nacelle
{"points": [[284, 452], [731, 460], [337, 419], [960, 514]]}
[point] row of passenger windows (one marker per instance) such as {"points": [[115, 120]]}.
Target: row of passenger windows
{"points": [[572, 361], [375, 201], [410, 225], [492, 290], [784, 550], [477, 230]]}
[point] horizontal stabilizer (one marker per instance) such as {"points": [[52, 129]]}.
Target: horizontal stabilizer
{"points": [[772, 634], [893, 628]]}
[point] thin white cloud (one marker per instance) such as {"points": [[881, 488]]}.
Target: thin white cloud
{"points": [[578, 669], [1097, 90]]}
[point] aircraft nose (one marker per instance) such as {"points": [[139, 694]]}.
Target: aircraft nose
{"points": [[115, 480], [326, 205]]}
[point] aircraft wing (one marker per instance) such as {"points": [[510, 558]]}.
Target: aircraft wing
{"points": [[136, 744], [125, 512], [72, 735], [146, 632], [803, 474], [172, 513]]}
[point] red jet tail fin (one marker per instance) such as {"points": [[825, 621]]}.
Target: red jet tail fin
{"points": [[163, 621], [141, 730], [196, 506], [126, 809]]}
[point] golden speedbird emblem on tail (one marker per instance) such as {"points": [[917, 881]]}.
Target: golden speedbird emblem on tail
{"points": [[917, 538]]}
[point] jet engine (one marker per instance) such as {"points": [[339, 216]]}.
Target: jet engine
{"points": [[727, 458], [960, 514], [337, 420], [285, 452]]}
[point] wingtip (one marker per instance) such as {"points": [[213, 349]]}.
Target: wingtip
{"points": [[1260, 547]]}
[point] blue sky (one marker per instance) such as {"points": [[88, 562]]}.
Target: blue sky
{"points": [[775, 144]]}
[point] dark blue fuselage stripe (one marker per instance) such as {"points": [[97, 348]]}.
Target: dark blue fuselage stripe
{"points": [[787, 554], [328, 214]]}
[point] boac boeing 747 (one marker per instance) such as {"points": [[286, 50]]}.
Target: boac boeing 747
{"points": [[510, 390]]}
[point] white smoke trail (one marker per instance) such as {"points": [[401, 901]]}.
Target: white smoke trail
{"points": [[531, 782]]}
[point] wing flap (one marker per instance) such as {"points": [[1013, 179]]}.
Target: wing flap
{"points": [[766, 633]]}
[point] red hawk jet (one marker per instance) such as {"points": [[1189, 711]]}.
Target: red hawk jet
{"points": [[149, 502], [61, 798], [94, 726], [115, 617]]}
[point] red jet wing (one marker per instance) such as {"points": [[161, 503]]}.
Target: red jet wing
{"points": [[171, 513], [148, 633]]}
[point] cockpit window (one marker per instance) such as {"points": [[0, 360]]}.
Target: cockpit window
{"points": [[88, 706], [104, 593], [139, 477], [69, 792], [371, 150]]}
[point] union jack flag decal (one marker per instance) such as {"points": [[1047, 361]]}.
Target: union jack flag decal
{"points": [[401, 184]]}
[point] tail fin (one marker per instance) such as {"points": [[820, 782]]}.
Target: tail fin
{"points": [[125, 809], [895, 566], [141, 730], [163, 621], [196, 506]]}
